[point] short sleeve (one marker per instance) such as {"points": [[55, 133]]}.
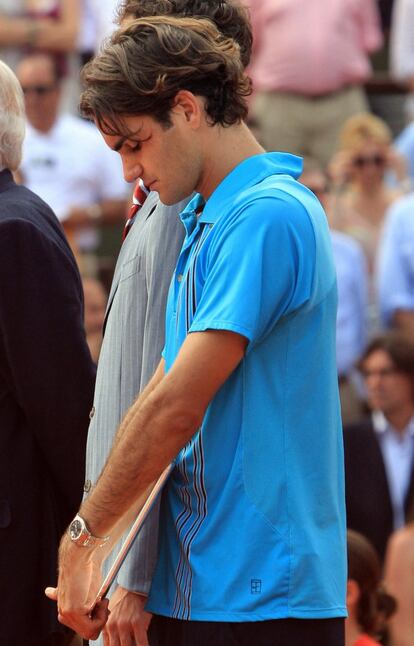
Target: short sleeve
{"points": [[259, 268]]}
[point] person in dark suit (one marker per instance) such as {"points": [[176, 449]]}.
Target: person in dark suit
{"points": [[379, 450], [46, 389]]}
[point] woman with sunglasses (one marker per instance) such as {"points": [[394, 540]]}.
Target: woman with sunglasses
{"points": [[362, 192]]}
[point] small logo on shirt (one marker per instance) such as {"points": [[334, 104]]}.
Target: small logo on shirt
{"points": [[256, 586]]}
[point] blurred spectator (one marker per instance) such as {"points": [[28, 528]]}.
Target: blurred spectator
{"points": [[404, 144], [369, 605], [402, 49], [310, 60], [352, 277], [379, 450], [104, 15], [95, 305], [399, 577], [361, 193], [86, 42], [51, 25], [396, 267], [46, 386], [66, 161], [385, 9], [358, 172]]}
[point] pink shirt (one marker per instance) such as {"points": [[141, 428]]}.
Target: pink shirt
{"points": [[312, 47]]}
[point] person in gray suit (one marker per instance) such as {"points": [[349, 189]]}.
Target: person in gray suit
{"points": [[134, 333]]}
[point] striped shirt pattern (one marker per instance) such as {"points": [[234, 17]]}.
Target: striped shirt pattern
{"points": [[191, 459]]}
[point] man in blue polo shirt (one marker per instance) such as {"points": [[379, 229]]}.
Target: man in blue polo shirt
{"points": [[245, 400]]}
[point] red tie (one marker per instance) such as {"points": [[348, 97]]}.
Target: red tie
{"points": [[138, 199]]}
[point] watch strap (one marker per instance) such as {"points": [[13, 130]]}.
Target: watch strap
{"points": [[83, 536]]}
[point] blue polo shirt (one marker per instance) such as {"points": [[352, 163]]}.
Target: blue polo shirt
{"points": [[252, 521]]}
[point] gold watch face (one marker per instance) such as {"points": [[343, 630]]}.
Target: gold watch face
{"points": [[75, 529]]}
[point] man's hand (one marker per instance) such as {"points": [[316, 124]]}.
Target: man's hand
{"points": [[78, 585], [128, 622]]}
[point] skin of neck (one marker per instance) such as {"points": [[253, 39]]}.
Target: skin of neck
{"points": [[373, 189], [400, 417], [235, 143], [44, 125], [352, 629]]}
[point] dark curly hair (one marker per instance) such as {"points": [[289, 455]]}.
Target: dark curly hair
{"points": [[230, 17], [143, 67], [375, 605]]}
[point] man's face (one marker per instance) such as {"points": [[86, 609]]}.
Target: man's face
{"points": [[41, 92], [95, 304], [166, 158], [369, 162], [388, 390]]}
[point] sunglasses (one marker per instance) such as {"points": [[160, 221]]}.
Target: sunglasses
{"points": [[381, 372], [40, 90], [374, 160]]}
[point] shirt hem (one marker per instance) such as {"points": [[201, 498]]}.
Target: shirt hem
{"points": [[237, 617]]}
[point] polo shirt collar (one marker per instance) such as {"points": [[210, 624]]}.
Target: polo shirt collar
{"points": [[249, 172], [381, 424]]}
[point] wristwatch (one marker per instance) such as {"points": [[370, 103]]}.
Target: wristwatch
{"points": [[80, 534]]}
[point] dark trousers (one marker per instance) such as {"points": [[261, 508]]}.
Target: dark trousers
{"points": [[165, 631]]}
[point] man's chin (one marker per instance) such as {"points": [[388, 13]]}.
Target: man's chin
{"points": [[169, 200]]}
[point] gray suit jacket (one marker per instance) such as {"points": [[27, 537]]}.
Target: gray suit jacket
{"points": [[131, 351]]}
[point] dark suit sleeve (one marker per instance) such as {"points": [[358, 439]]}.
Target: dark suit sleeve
{"points": [[368, 503], [46, 364]]}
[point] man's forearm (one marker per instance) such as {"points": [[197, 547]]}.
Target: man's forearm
{"points": [[151, 435], [159, 425], [128, 417], [126, 521], [154, 430]]}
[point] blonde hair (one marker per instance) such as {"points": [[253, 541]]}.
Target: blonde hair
{"points": [[363, 128], [12, 119]]}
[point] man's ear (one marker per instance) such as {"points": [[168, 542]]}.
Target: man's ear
{"points": [[190, 107]]}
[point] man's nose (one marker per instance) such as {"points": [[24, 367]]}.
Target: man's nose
{"points": [[373, 380], [132, 170]]}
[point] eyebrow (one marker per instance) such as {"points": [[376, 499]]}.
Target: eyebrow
{"points": [[119, 144], [117, 147]]}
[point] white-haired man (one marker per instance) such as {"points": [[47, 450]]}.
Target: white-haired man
{"points": [[45, 365]]}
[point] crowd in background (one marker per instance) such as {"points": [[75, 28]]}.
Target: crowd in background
{"points": [[313, 95]]}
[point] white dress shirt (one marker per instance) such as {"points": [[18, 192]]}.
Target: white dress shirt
{"points": [[71, 166], [397, 450], [351, 322], [404, 143], [395, 263]]}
